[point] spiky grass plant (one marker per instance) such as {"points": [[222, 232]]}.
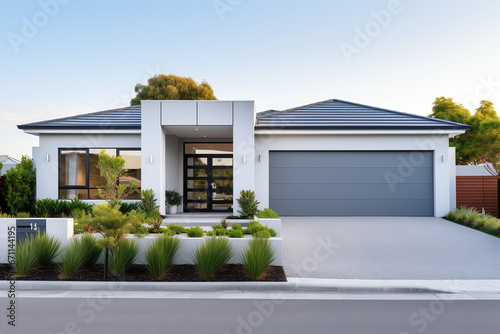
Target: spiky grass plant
{"points": [[123, 257], [90, 250], [160, 254], [257, 257], [72, 258], [211, 255], [26, 256], [47, 249]]}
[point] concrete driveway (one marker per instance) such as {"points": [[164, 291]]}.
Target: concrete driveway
{"points": [[387, 248]]}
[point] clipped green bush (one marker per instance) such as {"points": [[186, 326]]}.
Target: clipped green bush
{"points": [[254, 227], [20, 183], [211, 255], [128, 207], [160, 255], [262, 234], [248, 204], [235, 233], [90, 250], [123, 257], [236, 227], [267, 213], [72, 258], [26, 256], [148, 201], [46, 248], [177, 229], [257, 257], [23, 215], [195, 232]]}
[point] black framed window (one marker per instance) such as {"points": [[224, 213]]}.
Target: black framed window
{"points": [[79, 176]]}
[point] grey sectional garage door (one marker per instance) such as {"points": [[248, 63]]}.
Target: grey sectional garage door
{"points": [[351, 183]]}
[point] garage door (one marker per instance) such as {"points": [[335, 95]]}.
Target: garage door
{"points": [[351, 183]]}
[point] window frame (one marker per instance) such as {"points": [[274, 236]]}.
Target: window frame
{"points": [[87, 172]]}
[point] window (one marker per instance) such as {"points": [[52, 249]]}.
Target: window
{"points": [[79, 176]]}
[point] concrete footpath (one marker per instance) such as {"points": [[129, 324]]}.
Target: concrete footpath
{"points": [[294, 285]]}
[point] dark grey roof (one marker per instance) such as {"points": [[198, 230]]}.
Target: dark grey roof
{"points": [[121, 118], [343, 115]]}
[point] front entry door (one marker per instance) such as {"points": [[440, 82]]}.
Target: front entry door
{"points": [[208, 182]]}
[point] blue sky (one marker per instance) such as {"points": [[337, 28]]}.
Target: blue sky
{"points": [[86, 56]]}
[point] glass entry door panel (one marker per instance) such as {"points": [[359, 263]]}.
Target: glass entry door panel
{"points": [[208, 177]]}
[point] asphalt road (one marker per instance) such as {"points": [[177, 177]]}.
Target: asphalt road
{"points": [[387, 248], [360, 314]]}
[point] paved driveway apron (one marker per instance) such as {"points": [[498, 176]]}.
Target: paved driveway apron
{"points": [[387, 248]]}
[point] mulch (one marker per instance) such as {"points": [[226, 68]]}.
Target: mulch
{"points": [[140, 273]]}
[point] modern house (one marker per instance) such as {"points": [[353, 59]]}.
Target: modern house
{"points": [[7, 163], [328, 158]]}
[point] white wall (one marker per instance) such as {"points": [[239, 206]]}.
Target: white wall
{"points": [[243, 148], [472, 170], [153, 151], [453, 179], [47, 171], [275, 142]]}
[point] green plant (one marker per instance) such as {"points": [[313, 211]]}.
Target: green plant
{"points": [[46, 248], [160, 255], [254, 227], [128, 207], [26, 256], [479, 221], [236, 227], [177, 229], [211, 255], [148, 201], [49, 207], [235, 233], [77, 213], [72, 258], [154, 219], [248, 204], [173, 198], [111, 168], [262, 234], [23, 215], [257, 257], [123, 257], [21, 187], [223, 223], [195, 232], [267, 213], [75, 203], [90, 250]]}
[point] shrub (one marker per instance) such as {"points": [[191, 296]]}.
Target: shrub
{"points": [[195, 232], [128, 207], [76, 204], [235, 233], [111, 168], [223, 223], [267, 213], [248, 204], [49, 207], [77, 213], [257, 257], [154, 218], [219, 230], [46, 248], [72, 258], [160, 255], [148, 202], [26, 256], [21, 186], [177, 229], [262, 234], [90, 250], [471, 218], [255, 227], [123, 257], [23, 215], [236, 227], [211, 255]]}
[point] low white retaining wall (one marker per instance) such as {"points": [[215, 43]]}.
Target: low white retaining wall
{"points": [[61, 228], [189, 245]]}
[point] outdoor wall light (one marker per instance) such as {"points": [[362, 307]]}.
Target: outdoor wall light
{"points": [[151, 159], [244, 159], [48, 157], [260, 157], [442, 158]]}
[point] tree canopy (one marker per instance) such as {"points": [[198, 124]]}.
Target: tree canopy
{"points": [[480, 144], [172, 87]]}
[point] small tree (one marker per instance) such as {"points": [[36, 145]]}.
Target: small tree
{"points": [[111, 169], [248, 204], [21, 186]]}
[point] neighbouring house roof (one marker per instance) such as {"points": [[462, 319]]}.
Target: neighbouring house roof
{"points": [[343, 115], [121, 118], [5, 159]]}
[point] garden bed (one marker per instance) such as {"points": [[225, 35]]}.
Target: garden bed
{"points": [[140, 273]]}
